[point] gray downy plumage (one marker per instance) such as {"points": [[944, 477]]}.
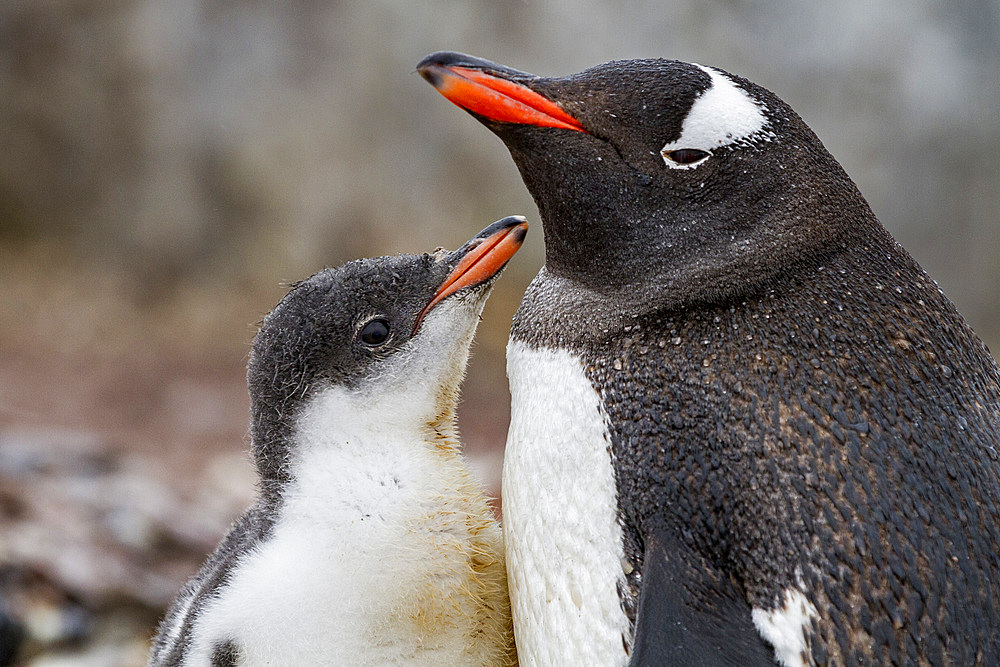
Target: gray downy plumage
{"points": [[365, 335]]}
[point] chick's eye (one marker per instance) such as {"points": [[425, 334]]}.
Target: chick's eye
{"points": [[685, 156], [375, 332]]}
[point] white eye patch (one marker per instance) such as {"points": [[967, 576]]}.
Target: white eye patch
{"points": [[724, 114]]}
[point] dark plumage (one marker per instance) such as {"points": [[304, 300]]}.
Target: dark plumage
{"points": [[792, 403]]}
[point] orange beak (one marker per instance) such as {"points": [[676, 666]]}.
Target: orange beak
{"points": [[485, 256], [494, 98]]}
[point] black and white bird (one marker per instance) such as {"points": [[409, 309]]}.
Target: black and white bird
{"points": [[746, 426], [370, 542]]}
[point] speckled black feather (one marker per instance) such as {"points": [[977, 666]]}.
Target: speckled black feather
{"points": [[844, 427], [791, 400]]}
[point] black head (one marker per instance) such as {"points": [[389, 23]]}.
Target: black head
{"points": [[665, 180], [384, 331]]}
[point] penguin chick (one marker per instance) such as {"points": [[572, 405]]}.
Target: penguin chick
{"points": [[370, 543]]}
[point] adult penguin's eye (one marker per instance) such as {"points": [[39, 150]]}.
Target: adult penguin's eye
{"points": [[375, 333], [685, 157]]}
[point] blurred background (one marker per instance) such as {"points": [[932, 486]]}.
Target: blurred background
{"points": [[166, 168]]}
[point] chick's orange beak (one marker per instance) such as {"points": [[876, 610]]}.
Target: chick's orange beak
{"points": [[485, 255]]}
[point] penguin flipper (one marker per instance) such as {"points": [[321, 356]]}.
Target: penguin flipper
{"points": [[687, 616]]}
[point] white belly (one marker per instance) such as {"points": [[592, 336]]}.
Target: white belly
{"points": [[313, 597], [561, 531], [368, 562], [292, 604]]}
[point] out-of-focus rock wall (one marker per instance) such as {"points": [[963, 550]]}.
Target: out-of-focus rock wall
{"points": [[198, 136]]}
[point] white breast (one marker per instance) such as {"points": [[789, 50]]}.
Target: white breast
{"points": [[561, 531], [368, 563]]}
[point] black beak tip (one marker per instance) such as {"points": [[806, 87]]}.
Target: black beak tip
{"points": [[439, 59], [494, 228], [520, 233], [504, 223], [431, 74], [452, 59]]}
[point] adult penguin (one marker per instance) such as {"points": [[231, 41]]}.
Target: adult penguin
{"points": [[746, 425]]}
